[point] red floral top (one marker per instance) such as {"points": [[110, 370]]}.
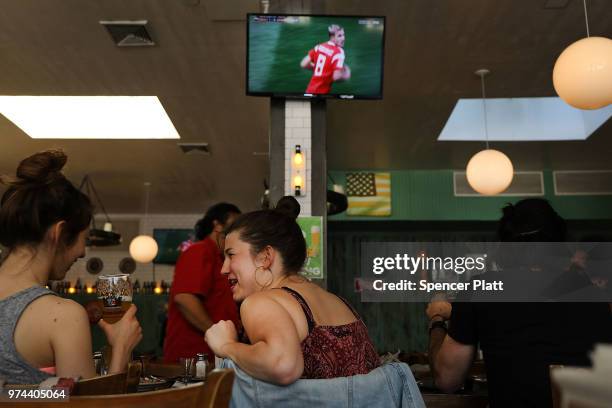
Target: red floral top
{"points": [[336, 351]]}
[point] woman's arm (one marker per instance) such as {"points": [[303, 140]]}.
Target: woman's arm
{"points": [[275, 354], [123, 336], [71, 340]]}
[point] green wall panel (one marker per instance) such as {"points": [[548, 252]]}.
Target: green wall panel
{"points": [[428, 195]]}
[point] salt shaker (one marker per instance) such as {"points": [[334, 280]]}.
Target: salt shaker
{"points": [[201, 365]]}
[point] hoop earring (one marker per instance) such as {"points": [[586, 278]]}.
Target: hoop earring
{"points": [[269, 281]]}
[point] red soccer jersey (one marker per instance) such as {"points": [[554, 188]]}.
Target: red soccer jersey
{"points": [[327, 58], [198, 271]]}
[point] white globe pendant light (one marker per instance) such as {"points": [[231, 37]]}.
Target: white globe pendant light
{"points": [[582, 75], [143, 248], [489, 172]]}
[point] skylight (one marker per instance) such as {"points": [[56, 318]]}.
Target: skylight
{"points": [[522, 119], [89, 117]]}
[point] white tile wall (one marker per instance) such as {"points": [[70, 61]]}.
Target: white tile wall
{"points": [[111, 259], [298, 132]]}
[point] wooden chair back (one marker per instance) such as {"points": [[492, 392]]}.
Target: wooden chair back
{"points": [[163, 369], [103, 385], [133, 376], [218, 390], [215, 393]]}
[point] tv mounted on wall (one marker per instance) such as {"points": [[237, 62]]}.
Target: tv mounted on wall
{"points": [[315, 56], [171, 243]]}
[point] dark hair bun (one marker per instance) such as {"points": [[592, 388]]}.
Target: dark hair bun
{"points": [[42, 167], [288, 206]]}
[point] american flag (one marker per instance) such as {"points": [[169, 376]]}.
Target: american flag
{"points": [[369, 194]]}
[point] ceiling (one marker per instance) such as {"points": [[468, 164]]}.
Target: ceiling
{"points": [[57, 47]]}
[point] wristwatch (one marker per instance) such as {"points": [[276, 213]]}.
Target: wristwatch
{"points": [[438, 324]]}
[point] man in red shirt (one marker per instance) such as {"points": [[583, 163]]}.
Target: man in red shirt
{"points": [[326, 60], [200, 296]]}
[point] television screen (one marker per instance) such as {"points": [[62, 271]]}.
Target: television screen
{"points": [[314, 56], [171, 243]]}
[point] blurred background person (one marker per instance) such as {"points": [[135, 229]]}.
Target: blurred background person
{"points": [[200, 296]]}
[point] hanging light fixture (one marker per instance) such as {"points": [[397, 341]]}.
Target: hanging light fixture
{"points": [[143, 248], [582, 75], [489, 171], [99, 237]]}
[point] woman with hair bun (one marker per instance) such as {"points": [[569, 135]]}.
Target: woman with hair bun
{"points": [[295, 328], [44, 223]]}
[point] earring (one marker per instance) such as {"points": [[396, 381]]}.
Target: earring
{"points": [[269, 282]]}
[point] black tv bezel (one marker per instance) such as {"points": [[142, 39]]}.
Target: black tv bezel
{"points": [[317, 96]]}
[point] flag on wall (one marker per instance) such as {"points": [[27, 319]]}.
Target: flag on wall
{"points": [[369, 194]]}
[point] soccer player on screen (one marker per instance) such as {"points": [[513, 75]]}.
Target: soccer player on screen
{"points": [[326, 60]]}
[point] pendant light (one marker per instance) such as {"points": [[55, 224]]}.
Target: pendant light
{"points": [[489, 171], [143, 248], [582, 75]]}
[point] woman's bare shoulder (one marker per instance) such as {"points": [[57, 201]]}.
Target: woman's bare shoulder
{"points": [[56, 309]]}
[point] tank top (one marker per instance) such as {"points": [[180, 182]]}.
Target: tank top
{"points": [[335, 351], [13, 368]]}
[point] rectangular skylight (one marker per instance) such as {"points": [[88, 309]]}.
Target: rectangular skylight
{"points": [[89, 117], [522, 119]]}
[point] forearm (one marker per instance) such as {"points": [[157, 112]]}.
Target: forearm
{"points": [[436, 338], [261, 361], [192, 310], [119, 360]]}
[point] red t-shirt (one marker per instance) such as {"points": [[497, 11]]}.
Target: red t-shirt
{"points": [[327, 58], [197, 271]]}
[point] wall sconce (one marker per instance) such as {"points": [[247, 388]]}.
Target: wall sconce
{"points": [[298, 172]]}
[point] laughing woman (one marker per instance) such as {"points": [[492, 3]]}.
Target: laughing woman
{"points": [[295, 328]]}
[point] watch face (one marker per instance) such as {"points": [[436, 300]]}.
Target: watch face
{"points": [[438, 324]]}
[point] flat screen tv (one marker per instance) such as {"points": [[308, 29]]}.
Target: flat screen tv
{"points": [[315, 56], [171, 243]]}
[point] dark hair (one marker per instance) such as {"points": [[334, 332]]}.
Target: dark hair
{"points": [[276, 228], [531, 220], [39, 197], [219, 212]]}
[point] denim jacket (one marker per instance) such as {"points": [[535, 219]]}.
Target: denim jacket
{"points": [[391, 385]]}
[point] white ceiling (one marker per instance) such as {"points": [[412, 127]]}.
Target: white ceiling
{"points": [[57, 47]]}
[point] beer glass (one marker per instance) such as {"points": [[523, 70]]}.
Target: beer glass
{"points": [[115, 294]]}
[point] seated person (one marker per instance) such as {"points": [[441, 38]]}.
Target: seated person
{"points": [[44, 223], [295, 328], [519, 341]]}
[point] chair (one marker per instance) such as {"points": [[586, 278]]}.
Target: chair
{"points": [[103, 385], [163, 369], [133, 376], [215, 393]]}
